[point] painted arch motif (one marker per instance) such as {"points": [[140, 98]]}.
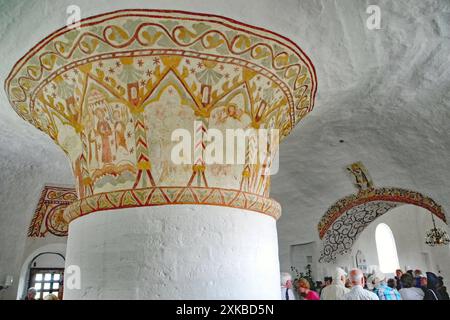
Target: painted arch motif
{"points": [[344, 221]]}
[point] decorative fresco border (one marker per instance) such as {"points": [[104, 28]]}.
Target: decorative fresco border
{"points": [[387, 194], [159, 196], [48, 216]]}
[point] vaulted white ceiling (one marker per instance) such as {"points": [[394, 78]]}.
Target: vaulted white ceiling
{"points": [[383, 98]]}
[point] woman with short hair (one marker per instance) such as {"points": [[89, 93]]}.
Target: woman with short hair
{"points": [[409, 292], [304, 290]]}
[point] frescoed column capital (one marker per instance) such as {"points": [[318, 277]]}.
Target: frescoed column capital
{"points": [[113, 93]]}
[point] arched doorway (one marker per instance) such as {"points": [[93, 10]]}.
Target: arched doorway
{"points": [[46, 274], [43, 269]]}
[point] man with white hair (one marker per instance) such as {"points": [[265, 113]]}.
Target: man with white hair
{"points": [[337, 289], [286, 286], [31, 294], [358, 292], [384, 292]]}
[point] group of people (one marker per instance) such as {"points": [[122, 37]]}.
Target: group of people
{"points": [[31, 295], [410, 285]]}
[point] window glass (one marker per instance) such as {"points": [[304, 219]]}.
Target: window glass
{"points": [[386, 249]]}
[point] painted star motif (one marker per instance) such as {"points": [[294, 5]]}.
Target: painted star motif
{"points": [[118, 64], [149, 73], [192, 70], [156, 61], [199, 65], [111, 70], [140, 63]]}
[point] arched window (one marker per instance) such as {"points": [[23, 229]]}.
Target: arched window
{"points": [[386, 249]]}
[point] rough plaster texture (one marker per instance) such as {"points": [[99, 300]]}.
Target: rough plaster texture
{"points": [[385, 93], [174, 252]]}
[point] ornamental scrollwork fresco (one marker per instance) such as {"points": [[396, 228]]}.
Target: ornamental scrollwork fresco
{"points": [[341, 236], [344, 221], [48, 217], [379, 194]]}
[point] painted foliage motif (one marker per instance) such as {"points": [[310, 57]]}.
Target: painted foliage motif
{"points": [[112, 92], [49, 214]]}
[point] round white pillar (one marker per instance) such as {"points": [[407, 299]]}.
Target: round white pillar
{"points": [[174, 252]]}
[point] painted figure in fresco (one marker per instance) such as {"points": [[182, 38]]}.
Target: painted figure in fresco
{"points": [[231, 111], [92, 142], [119, 131], [362, 179], [104, 131], [79, 176]]}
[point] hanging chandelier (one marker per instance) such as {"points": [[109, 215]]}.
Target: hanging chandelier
{"points": [[436, 236]]}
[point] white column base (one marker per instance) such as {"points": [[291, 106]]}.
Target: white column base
{"points": [[174, 252]]}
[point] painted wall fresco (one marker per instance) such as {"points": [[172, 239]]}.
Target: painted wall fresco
{"points": [[48, 217], [343, 233], [158, 196], [360, 175], [111, 93]]}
